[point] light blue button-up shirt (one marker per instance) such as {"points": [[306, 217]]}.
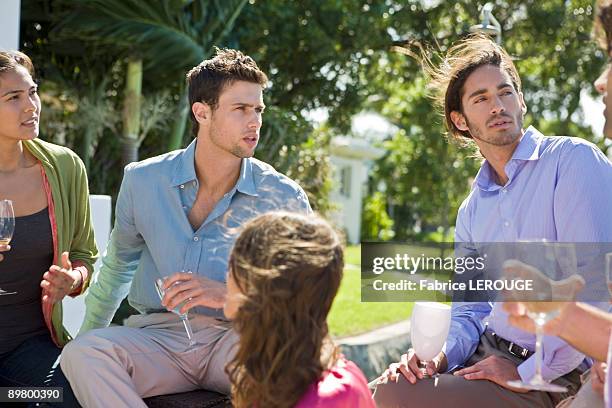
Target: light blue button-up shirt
{"points": [[558, 189], [152, 236]]}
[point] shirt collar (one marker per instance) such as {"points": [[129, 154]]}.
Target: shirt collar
{"points": [[246, 180], [185, 171], [528, 149]]}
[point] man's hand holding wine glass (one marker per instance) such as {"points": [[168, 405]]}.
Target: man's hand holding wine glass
{"points": [[190, 290], [408, 366], [429, 325]]}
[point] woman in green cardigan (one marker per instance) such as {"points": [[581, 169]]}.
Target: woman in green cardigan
{"points": [[53, 249]]}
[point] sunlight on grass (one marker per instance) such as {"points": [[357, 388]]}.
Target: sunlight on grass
{"points": [[349, 315], [352, 255]]}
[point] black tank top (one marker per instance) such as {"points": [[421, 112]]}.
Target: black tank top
{"points": [[21, 271]]}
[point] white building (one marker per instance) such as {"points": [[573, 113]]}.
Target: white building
{"points": [[9, 24], [351, 160]]}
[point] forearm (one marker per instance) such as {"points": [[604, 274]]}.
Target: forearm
{"points": [[108, 288], [112, 282], [464, 335], [587, 329], [83, 249], [100, 309], [81, 276]]}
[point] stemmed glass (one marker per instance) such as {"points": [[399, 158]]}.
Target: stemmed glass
{"points": [[7, 227], [429, 325], [547, 264], [159, 287]]}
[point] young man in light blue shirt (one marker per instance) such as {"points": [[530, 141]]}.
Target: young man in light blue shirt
{"points": [[530, 186], [177, 216]]}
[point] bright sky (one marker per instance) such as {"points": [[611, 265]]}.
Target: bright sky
{"points": [[593, 112]]}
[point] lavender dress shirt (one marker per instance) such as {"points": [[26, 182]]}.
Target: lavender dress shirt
{"points": [[559, 189]]}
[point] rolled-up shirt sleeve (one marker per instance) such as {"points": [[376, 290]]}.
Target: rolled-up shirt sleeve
{"points": [[112, 283]]}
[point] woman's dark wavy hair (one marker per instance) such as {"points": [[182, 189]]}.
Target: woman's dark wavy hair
{"points": [[288, 268]]}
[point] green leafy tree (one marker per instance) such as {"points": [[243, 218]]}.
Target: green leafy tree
{"points": [[159, 40], [377, 225], [77, 88], [426, 177], [335, 55]]}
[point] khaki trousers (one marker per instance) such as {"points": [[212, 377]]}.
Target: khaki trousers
{"points": [[447, 390], [119, 366]]}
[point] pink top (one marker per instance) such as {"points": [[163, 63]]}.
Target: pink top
{"points": [[342, 386]]}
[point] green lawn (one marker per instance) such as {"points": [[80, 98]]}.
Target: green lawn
{"points": [[349, 315], [352, 255]]}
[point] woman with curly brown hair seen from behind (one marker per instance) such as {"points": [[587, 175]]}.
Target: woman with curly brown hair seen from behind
{"points": [[284, 272]]}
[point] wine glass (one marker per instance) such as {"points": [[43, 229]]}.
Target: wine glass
{"points": [[7, 221], [7, 227], [159, 287], [552, 267], [429, 327]]}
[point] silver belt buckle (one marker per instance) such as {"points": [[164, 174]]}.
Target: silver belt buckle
{"points": [[523, 353]]}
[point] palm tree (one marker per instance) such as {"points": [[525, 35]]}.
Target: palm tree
{"points": [[160, 40]]}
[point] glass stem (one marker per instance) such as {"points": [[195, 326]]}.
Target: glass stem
{"points": [[423, 368], [538, 351], [187, 325]]}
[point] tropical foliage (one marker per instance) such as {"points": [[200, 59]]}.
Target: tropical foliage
{"points": [[113, 85]]}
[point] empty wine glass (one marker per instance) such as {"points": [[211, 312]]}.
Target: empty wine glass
{"points": [[7, 227], [429, 327], [548, 265], [7, 221], [159, 287]]}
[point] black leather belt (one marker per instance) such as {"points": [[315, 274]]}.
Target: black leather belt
{"points": [[513, 348]]}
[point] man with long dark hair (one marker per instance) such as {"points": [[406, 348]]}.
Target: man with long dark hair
{"points": [[529, 186]]}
